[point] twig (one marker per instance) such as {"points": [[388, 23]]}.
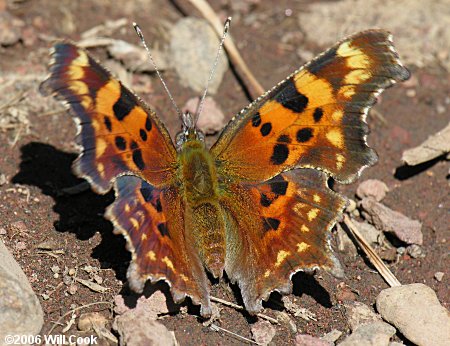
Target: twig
{"points": [[249, 79], [216, 328], [72, 311], [238, 307], [15, 99], [371, 254]]}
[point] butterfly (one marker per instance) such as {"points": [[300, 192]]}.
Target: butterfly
{"points": [[257, 204]]}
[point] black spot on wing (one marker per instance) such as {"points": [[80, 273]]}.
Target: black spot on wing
{"points": [[162, 228], [279, 187], [265, 201], [158, 205], [318, 113], [143, 134], [304, 135], [291, 98], [280, 154], [265, 129], [146, 192], [256, 120], [137, 159], [137, 155], [124, 104], [271, 224], [148, 124], [120, 142], [107, 123]]}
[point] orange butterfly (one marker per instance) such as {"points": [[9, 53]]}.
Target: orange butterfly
{"points": [[257, 204]]}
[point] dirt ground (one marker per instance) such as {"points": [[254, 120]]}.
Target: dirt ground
{"points": [[37, 150]]}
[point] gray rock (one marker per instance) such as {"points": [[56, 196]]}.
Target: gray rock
{"points": [[263, 332], [372, 188], [332, 336], [358, 314], [193, 47], [388, 220], [415, 251], [309, 340], [20, 311], [10, 29], [373, 334], [372, 235], [135, 332], [416, 312]]}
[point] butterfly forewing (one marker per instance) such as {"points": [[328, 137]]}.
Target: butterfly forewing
{"points": [[316, 117], [118, 133]]}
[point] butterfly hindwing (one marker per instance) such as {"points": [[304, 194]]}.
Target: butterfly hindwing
{"points": [[152, 222], [277, 228], [118, 133], [316, 117]]}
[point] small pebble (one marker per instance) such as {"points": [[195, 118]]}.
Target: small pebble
{"points": [[20, 245], [67, 280], [263, 332], [438, 276], [374, 334], [3, 179], [415, 251], [410, 93], [372, 188], [332, 336], [55, 269], [401, 250], [73, 288], [309, 340]]}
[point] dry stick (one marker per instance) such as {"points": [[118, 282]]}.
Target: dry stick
{"points": [[371, 254], [249, 79], [216, 328], [238, 307]]}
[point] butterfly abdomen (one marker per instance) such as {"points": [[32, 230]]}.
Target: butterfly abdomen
{"points": [[203, 214]]}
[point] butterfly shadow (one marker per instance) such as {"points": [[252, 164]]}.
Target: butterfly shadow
{"points": [[81, 213], [303, 284]]}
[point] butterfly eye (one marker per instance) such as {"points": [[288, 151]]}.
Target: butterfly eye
{"points": [[180, 138]]}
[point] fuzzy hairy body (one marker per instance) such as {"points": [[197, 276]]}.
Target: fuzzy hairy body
{"points": [[204, 217]]}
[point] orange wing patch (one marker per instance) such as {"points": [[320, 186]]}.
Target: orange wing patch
{"points": [[315, 118], [117, 131], [282, 226], [151, 221]]}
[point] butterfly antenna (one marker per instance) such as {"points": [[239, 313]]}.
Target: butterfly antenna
{"points": [[226, 27], [141, 37]]}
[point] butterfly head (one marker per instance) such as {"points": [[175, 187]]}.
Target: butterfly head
{"points": [[188, 131]]}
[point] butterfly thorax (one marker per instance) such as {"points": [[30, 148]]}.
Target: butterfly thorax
{"points": [[203, 214]]}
